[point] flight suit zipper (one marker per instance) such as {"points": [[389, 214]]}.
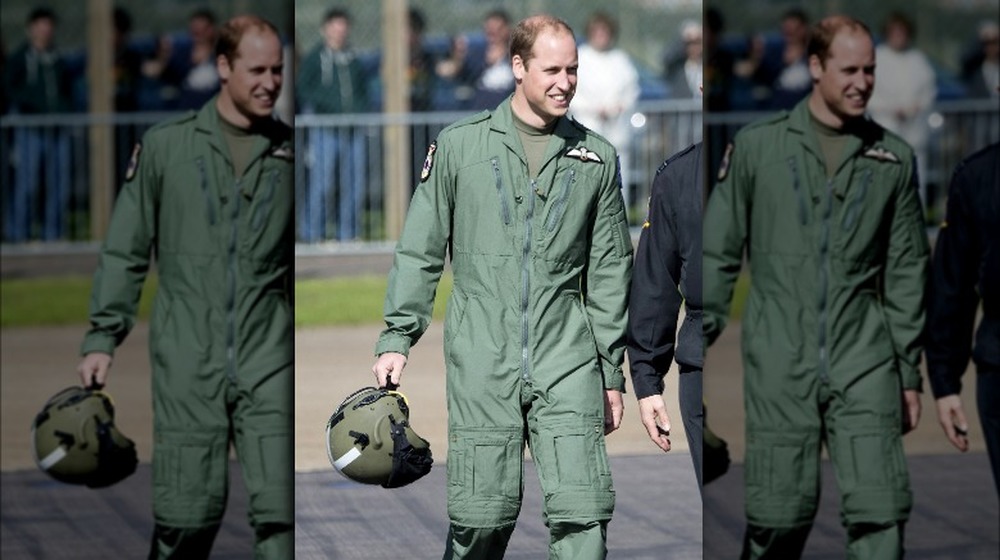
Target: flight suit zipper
{"points": [[231, 298], [526, 283], [504, 209], [824, 281], [557, 208], [798, 190], [855, 207]]}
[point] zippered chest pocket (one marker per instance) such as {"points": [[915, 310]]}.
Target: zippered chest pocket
{"points": [[484, 210]]}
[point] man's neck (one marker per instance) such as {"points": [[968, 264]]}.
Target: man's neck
{"points": [[519, 106], [227, 110], [823, 114]]}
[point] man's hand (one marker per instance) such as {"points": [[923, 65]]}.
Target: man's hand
{"points": [[653, 414], [613, 409], [911, 409], [93, 369], [951, 415], [389, 366]]}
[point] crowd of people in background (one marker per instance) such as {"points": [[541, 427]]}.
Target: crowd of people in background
{"points": [[769, 70]]}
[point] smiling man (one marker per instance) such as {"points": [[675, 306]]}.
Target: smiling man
{"points": [[528, 204], [823, 201], [210, 195]]}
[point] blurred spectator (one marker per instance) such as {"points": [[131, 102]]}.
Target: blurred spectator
{"points": [[486, 77], [719, 62], [607, 89], [783, 80], [685, 76], [3, 72], [127, 63], [421, 66], [186, 68], [981, 72], [38, 82], [905, 89], [331, 81]]}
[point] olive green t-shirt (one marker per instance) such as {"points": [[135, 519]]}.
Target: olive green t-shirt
{"points": [[535, 141], [831, 143], [240, 142]]}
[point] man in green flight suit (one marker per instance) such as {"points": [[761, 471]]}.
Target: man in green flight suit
{"points": [[528, 204], [210, 194], [825, 203]]}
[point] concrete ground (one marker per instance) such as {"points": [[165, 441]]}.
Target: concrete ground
{"points": [[658, 512]]}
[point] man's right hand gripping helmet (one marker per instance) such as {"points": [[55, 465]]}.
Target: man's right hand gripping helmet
{"points": [[74, 439], [369, 440]]}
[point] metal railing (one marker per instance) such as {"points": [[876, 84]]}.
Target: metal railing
{"points": [[47, 197]]}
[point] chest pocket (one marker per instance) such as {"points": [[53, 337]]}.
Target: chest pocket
{"points": [[861, 227], [484, 214], [268, 212]]}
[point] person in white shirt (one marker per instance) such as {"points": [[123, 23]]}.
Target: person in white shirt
{"points": [[905, 90], [607, 89]]}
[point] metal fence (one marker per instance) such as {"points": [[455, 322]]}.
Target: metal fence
{"points": [[958, 129], [47, 196]]}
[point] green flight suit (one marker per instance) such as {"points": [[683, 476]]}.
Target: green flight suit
{"points": [[831, 325], [221, 345], [535, 325]]}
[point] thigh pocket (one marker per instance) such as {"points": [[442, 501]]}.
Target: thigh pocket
{"points": [[572, 456], [190, 476]]}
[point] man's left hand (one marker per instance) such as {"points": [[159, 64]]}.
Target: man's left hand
{"points": [[613, 409], [911, 409]]}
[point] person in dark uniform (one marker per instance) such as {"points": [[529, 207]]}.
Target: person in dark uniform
{"points": [[965, 270], [667, 271]]}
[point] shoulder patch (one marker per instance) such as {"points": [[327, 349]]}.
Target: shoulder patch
{"points": [[425, 172], [724, 166], [133, 162]]}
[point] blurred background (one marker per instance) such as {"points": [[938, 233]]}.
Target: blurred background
{"points": [[945, 104]]}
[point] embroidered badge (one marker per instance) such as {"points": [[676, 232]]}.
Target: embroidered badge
{"points": [[583, 154], [425, 172], [133, 162], [881, 154], [283, 152], [724, 166]]}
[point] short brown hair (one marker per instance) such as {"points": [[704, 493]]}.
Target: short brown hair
{"points": [[522, 39], [233, 30], [823, 33], [605, 19]]}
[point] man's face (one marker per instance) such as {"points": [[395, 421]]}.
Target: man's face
{"points": [[253, 79], [335, 32], [548, 81], [496, 30], [201, 30], [846, 81], [41, 32]]}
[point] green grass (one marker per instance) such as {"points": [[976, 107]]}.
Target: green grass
{"points": [[350, 301], [318, 302], [55, 301], [65, 301]]}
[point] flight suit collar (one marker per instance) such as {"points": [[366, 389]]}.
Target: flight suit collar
{"points": [[863, 135], [565, 134]]}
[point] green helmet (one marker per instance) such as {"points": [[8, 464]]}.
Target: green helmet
{"points": [[74, 439], [369, 440]]}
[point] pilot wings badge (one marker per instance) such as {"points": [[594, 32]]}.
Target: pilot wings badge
{"points": [[881, 154], [583, 154]]}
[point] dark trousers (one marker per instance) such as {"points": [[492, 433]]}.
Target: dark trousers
{"points": [[988, 403], [692, 413]]}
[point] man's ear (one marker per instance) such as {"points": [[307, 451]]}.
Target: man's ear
{"points": [[517, 64], [815, 67], [222, 65]]}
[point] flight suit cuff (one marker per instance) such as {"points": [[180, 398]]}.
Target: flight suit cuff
{"points": [[613, 378], [911, 379], [96, 341], [392, 342]]}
